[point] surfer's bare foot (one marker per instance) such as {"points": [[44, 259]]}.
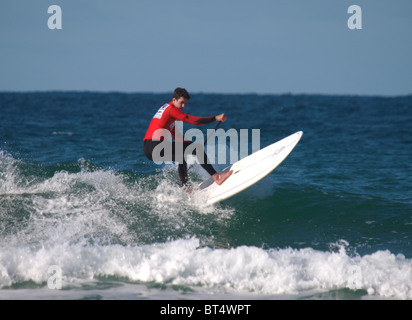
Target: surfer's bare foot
{"points": [[221, 177]]}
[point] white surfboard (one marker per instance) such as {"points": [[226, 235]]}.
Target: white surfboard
{"points": [[248, 170]]}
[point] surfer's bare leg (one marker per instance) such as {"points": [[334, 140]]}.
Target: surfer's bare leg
{"points": [[221, 177]]}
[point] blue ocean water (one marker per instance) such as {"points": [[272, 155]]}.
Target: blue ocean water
{"points": [[334, 220]]}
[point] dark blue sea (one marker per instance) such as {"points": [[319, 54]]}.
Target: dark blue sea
{"points": [[84, 214]]}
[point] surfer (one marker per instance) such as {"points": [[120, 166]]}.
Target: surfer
{"points": [[163, 124]]}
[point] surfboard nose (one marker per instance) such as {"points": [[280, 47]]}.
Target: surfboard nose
{"points": [[250, 169]]}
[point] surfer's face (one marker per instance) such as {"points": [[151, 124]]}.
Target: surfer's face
{"points": [[180, 103]]}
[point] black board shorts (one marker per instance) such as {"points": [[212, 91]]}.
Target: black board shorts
{"points": [[178, 154]]}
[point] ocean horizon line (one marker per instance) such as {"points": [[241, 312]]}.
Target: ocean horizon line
{"points": [[194, 92]]}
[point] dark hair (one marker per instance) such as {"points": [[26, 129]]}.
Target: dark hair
{"points": [[181, 92]]}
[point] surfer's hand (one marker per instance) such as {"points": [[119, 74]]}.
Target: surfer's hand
{"points": [[221, 117]]}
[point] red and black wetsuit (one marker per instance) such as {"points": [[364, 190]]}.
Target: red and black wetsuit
{"points": [[162, 124]]}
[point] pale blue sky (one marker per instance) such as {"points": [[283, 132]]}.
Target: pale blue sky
{"points": [[221, 46]]}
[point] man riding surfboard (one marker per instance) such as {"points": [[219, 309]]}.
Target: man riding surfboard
{"points": [[164, 121]]}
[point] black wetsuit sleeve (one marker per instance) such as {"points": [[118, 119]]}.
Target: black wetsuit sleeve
{"points": [[181, 116], [205, 120]]}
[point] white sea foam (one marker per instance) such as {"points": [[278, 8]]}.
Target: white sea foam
{"points": [[242, 270], [99, 204], [95, 224]]}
